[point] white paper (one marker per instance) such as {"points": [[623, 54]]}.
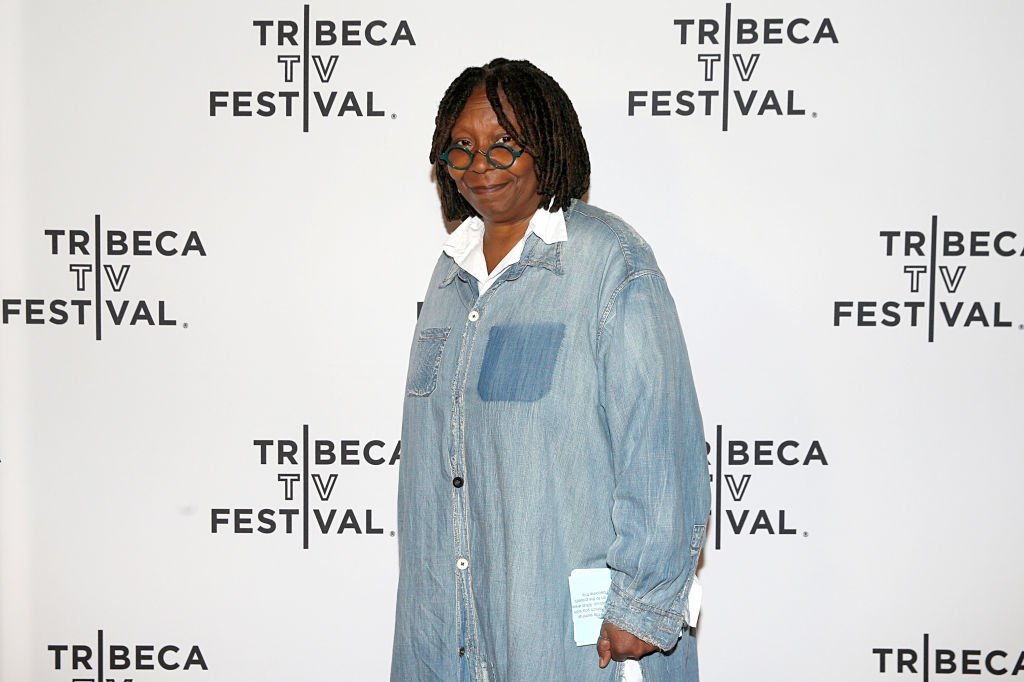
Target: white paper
{"points": [[693, 598], [588, 590]]}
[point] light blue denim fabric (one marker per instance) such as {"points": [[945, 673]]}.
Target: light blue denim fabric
{"points": [[550, 425]]}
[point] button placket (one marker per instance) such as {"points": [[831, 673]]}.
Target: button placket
{"points": [[460, 502]]}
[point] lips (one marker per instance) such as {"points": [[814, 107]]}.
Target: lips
{"points": [[488, 189]]}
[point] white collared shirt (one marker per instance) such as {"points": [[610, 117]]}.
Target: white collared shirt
{"points": [[466, 244]]}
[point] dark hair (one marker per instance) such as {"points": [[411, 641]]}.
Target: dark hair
{"points": [[548, 129]]}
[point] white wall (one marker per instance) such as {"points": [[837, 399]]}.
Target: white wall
{"points": [[113, 453]]}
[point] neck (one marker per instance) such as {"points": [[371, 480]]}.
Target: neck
{"points": [[512, 230], [499, 238]]}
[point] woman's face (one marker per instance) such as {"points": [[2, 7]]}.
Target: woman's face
{"points": [[499, 195]]}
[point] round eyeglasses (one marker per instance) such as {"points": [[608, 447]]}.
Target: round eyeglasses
{"points": [[499, 155]]}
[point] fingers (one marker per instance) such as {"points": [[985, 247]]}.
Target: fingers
{"points": [[615, 644], [604, 648]]}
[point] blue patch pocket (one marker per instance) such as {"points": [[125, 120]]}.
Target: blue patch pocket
{"points": [[425, 361], [519, 361]]}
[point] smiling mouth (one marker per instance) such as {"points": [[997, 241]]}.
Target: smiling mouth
{"points": [[488, 189]]}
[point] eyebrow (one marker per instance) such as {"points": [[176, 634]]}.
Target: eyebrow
{"points": [[456, 132]]}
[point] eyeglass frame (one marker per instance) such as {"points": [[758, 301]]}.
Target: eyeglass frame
{"points": [[516, 153]]}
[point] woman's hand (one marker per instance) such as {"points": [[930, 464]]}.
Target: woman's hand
{"points": [[615, 644]]}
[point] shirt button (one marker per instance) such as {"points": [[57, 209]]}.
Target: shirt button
{"points": [[457, 481], [474, 316], [462, 563], [462, 651]]}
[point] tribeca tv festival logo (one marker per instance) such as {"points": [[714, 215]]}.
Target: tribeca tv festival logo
{"points": [[735, 463], [109, 662], [307, 474], [931, 661], [88, 255], [927, 279], [309, 63], [728, 68]]}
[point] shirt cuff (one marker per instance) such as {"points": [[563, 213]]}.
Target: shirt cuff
{"points": [[652, 624]]}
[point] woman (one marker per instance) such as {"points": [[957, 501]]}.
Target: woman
{"points": [[550, 418]]}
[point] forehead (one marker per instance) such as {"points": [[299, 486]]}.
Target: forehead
{"points": [[477, 113]]}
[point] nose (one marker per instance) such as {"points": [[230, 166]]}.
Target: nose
{"points": [[480, 164]]}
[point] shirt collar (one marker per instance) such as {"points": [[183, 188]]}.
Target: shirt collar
{"points": [[549, 228]]}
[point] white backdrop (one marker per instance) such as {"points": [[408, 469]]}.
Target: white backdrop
{"points": [[128, 465]]}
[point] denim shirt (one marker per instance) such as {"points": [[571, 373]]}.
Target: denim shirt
{"points": [[549, 424]]}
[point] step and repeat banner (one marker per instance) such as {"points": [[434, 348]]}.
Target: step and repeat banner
{"points": [[218, 220]]}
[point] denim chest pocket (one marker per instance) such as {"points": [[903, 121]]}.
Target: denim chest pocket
{"points": [[519, 361], [425, 361]]}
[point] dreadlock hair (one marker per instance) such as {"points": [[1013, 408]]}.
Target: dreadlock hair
{"points": [[548, 129]]}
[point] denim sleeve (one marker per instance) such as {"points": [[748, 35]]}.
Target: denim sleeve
{"points": [[662, 493]]}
